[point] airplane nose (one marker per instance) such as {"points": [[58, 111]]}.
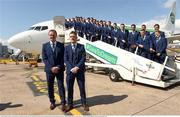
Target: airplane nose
{"points": [[17, 40], [12, 41]]}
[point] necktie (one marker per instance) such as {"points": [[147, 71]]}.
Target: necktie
{"points": [[143, 38], [73, 48], [157, 39], [54, 53], [53, 47]]}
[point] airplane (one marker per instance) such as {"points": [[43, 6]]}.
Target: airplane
{"points": [[31, 40]]}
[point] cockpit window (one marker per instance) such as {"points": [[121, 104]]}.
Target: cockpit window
{"points": [[31, 28], [38, 28], [44, 28]]}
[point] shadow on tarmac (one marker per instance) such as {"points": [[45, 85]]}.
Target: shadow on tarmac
{"points": [[101, 99], [4, 106]]}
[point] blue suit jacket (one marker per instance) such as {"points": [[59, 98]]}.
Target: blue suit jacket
{"points": [[103, 31], [160, 46], [124, 36], [132, 38], [51, 59], [145, 43], [90, 28], [75, 59]]}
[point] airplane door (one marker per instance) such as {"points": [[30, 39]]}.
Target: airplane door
{"points": [[59, 22], [60, 35]]}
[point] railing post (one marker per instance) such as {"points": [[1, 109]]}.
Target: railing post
{"points": [[134, 67]]}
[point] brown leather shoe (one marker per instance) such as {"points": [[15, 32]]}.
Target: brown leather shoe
{"points": [[68, 108], [52, 106], [86, 107], [63, 108]]}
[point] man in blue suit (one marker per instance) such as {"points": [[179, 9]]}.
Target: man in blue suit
{"points": [[115, 34], [158, 45], [132, 38], [124, 37], [74, 58], [144, 44], [53, 58], [88, 29]]}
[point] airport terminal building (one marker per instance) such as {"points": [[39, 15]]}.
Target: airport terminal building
{"points": [[4, 50]]}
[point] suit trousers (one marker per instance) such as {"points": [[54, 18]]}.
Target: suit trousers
{"points": [[60, 83], [70, 84]]}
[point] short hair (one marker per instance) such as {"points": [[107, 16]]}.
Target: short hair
{"points": [[133, 25], [156, 25], [143, 25], [52, 30], [73, 32], [122, 24]]}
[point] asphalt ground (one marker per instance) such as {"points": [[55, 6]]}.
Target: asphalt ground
{"points": [[23, 91]]}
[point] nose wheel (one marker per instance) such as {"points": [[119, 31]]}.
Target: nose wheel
{"points": [[32, 62]]}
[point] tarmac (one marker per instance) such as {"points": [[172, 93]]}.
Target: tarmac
{"points": [[23, 91]]}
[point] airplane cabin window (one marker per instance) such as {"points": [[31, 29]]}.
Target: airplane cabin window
{"points": [[38, 28], [44, 28]]}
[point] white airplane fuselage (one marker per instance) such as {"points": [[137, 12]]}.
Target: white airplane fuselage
{"points": [[31, 41]]}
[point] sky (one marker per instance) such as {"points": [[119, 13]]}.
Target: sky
{"points": [[18, 15]]}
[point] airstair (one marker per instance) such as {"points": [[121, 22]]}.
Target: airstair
{"points": [[130, 66]]}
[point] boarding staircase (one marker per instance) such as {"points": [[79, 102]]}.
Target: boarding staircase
{"points": [[130, 66]]}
